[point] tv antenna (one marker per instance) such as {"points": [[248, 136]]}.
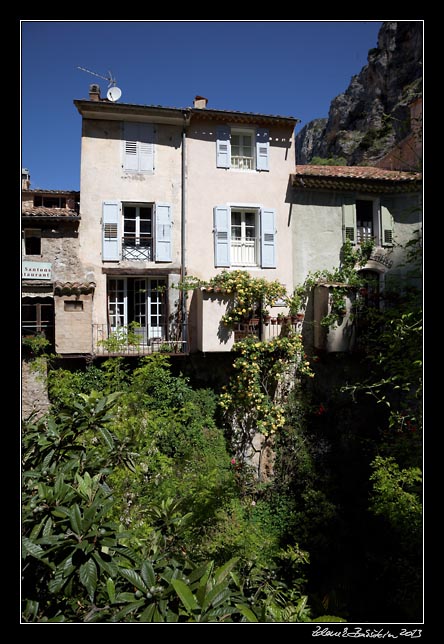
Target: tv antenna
{"points": [[114, 93]]}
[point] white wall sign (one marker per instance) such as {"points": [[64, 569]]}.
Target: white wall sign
{"points": [[36, 270]]}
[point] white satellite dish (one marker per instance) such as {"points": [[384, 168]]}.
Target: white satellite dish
{"points": [[113, 94]]}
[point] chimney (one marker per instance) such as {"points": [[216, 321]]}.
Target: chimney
{"points": [[200, 102], [26, 180], [94, 92]]}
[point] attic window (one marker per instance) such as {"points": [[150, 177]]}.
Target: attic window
{"points": [[49, 202]]}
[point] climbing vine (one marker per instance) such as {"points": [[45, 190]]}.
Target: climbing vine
{"points": [[263, 372]]}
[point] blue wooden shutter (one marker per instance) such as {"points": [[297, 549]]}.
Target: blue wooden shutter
{"points": [[262, 150], [268, 238], [222, 236], [349, 220], [223, 148], [146, 147], [163, 233], [386, 227], [130, 147], [110, 231]]}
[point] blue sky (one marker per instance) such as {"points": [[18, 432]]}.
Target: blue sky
{"points": [[291, 68]]}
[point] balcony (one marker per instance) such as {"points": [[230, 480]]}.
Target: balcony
{"points": [[137, 248], [125, 341]]}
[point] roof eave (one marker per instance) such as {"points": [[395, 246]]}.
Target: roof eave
{"points": [[128, 112], [344, 184]]}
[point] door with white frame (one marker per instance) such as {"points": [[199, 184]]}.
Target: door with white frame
{"points": [[139, 300]]}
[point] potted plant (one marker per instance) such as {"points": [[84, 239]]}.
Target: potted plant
{"points": [[296, 304], [266, 317]]}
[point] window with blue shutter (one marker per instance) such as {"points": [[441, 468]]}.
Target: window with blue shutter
{"points": [[110, 230], [223, 148], [387, 226], [163, 233], [268, 238], [349, 220], [262, 150], [222, 229], [138, 152]]}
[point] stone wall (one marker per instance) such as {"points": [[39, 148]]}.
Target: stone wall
{"points": [[34, 391]]}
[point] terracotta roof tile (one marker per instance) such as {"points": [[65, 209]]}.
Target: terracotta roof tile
{"points": [[53, 213], [40, 191], [356, 172], [353, 178]]}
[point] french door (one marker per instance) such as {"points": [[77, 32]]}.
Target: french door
{"points": [[139, 300]]}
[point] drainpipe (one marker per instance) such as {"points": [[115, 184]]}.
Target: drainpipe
{"points": [[186, 116]]}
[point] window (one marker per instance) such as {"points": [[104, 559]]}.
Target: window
{"points": [[140, 232], [38, 317], [49, 202], [73, 305], [242, 149], [244, 236], [138, 148], [140, 301], [366, 219], [33, 241], [137, 232]]}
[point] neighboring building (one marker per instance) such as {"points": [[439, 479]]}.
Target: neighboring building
{"points": [[170, 192], [334, 203], [50, 260]]}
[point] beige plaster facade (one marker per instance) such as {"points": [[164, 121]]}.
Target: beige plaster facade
{"points": [[185, 178]]}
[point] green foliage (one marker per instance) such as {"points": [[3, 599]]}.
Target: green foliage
{"points": [[396, 494], [250, 400], [328, 161], [121, 338], [37, 344], [80, 565], [247, 294]]}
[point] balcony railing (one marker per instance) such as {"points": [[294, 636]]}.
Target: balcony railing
{"points": [[244, 252], [242, 163], [133, 342], [137, 248], [268, 328]]}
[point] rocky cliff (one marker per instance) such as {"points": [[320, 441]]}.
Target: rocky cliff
{"points": [[373, 114]]}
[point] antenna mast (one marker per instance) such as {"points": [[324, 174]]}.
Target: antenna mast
{"points": [[112, 81]]}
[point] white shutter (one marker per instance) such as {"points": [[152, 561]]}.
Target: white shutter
{"points": [[138, 151], [349, 220], [146, 148], [222, 230], [110, 230], [223, 148], [386, 227], [130, 147], [268, 238], [163, 233], [262, 150]]}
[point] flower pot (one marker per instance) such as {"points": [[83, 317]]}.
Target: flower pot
{"points": [[273, 320], [267, 319]]}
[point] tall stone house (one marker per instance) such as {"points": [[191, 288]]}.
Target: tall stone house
{"points": [[169, 193]]}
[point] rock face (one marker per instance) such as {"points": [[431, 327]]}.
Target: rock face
{"points": [[373, 114]]}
